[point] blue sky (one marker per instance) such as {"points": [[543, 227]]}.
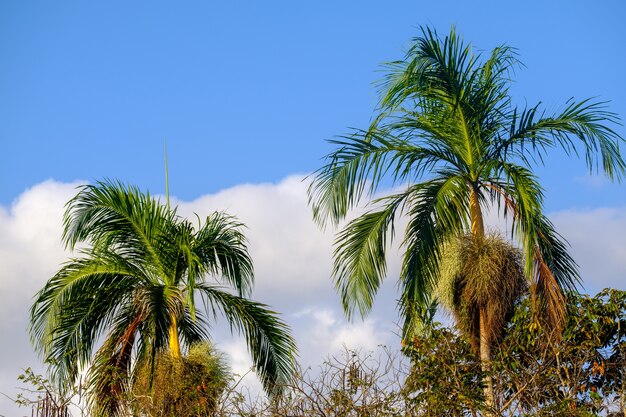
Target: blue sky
{"points": [[247, 94]]}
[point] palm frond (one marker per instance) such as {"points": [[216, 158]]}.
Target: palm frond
{"points": [[268, 338], [553, 270], [221, 250], [111, 215], [73, 310], [355, 169], [360, 255], [581, 125], [521, 192], [438, 209], [432, 67]]}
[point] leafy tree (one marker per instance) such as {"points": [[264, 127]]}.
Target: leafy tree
{"points": [[449, 136], [582, 374], [134, 289], [445, 375]]}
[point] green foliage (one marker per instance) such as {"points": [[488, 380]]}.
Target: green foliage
{"points": [[445, 377], [584, 371], [582, 374], [190, 386]]}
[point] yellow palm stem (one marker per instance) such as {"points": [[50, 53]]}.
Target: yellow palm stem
{"points": [[173, 339]]}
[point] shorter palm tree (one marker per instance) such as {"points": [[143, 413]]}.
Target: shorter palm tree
{"points": [[135, 288]]}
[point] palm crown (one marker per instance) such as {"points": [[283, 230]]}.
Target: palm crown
{"points": [[136, 285], [448, 130]]}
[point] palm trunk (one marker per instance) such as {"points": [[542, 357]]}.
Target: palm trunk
{"points": [[485, 361], [478, 231], [173, 339], [476, 215]]}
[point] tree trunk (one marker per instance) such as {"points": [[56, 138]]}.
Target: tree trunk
{"points": [[476, 215], [173, 339], [478, 231], [485, 361]]}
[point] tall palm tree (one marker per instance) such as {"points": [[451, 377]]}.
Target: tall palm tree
{"points": [[449, 137], [135, 287]]}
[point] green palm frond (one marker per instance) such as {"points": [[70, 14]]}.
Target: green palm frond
{"points": [[365, 155], [221, 249], [111, 216], [519, 189], [268, 338], [444, 199], [360, 253], [580, 126], [72, 310]]}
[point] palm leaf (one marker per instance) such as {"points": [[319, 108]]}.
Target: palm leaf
{"points": [[268, 338]]}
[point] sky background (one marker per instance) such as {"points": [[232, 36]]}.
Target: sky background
{"points": [[247, 94]]}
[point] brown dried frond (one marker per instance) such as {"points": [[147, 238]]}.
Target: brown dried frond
{"points": [[548, 297]]}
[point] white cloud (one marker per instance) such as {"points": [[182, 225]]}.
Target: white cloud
{"points": [[592, 181], [32, 226], [292, 262], [598, 244], [325, 331], [289, 250], [30, 253]]}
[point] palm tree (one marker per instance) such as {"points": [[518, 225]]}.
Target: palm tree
{"points": [[135, 288], [449, 137]]}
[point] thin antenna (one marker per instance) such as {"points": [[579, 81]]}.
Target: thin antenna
{"points": [[167, 176]]}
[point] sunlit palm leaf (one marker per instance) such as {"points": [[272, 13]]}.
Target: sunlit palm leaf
{"points": [[268, 338]]}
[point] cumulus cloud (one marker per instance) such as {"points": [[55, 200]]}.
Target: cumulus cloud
{"points": [[293, 261], [30, 253], [592, 181], [289, 250], [598, 244]]}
